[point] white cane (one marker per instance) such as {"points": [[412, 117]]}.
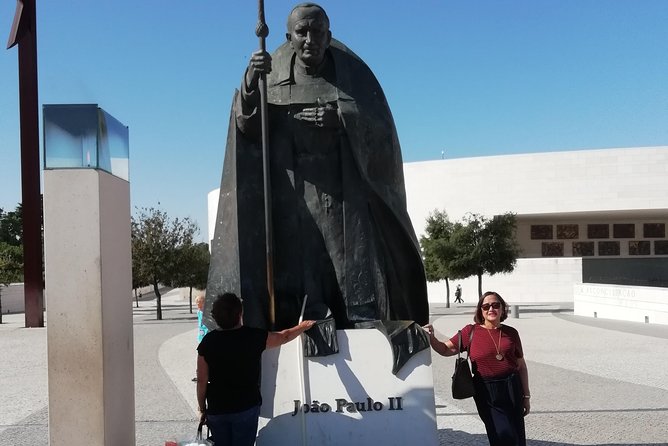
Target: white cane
{"points": [[302, 378], [301, 315]]}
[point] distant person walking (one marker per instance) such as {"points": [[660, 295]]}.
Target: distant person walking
{"points": [[499, 370], [458, 295], [228, 372]]}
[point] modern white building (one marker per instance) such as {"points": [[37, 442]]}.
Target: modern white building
{"points": [[590, 216]]}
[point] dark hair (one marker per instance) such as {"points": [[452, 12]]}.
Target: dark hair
{"points": [[308, 5], [477, 317], [226, 310]]}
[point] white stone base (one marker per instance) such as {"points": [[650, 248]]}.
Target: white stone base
{"points": [[350, 398]]}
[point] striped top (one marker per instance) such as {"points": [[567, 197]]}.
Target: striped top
{"points": [[483, 350]]}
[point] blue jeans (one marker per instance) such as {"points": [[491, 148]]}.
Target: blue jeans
{"points": [[234, 429]]}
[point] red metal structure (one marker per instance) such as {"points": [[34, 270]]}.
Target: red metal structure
{"points": [[24, 34]]}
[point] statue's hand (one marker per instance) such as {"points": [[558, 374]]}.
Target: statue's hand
{"points": [[325, 115], [429, 329], [260, 62]]}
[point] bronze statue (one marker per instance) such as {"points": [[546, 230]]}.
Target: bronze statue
{"points": [[341, 232]]}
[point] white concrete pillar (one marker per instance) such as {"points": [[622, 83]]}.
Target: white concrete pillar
{"points": [[89, 311]]}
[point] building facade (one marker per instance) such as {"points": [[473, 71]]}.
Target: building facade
{"points": [[591, 216]]}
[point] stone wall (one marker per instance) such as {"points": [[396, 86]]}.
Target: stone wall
{"points": [[637, 304], [12, 298]]}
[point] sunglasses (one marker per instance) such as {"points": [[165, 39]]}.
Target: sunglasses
{"points": [[495, 305]]}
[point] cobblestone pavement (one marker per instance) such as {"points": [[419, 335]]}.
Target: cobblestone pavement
{"points": [[593, 382]]}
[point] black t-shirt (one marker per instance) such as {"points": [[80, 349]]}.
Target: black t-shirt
{"points": [[234, 360]]}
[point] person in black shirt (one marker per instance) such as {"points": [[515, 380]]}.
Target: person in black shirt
{"points": [[228, 372]]}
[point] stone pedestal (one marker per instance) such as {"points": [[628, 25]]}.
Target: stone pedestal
{"points": [[349, 398], [89, 311]]}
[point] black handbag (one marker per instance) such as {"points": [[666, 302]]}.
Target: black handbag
{"points": [[462, 380]]}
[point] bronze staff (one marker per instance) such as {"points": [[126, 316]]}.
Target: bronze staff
{"points": [[262, 31]]}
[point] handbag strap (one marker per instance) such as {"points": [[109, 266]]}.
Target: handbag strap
{"points": [[459, 344], [459, 341]]}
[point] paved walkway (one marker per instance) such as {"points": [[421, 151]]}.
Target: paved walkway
{"points": [[593, 382]]}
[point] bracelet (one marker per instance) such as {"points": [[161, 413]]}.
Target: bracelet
{"points": [[526, 397]]}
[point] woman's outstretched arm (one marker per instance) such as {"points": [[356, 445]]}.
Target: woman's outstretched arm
{"points": [[446, 348]]}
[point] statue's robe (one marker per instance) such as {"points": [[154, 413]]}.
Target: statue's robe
{"points": [[342, 234]]}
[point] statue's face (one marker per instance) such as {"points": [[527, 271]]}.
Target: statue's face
{"points": [[309, 35]]}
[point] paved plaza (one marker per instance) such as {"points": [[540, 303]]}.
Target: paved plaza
{"points": [[593, 382]]}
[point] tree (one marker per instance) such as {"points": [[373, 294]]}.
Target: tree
{"points": [[193, 268], [11, 248], [137, 280], [11, 267], [156, 241], [11, 226], [484, 246], [437, 249]]}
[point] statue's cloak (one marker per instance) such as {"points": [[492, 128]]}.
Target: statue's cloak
{"points": [[238, 254]]}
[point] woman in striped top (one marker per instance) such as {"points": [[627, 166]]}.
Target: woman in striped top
{"points": [[500, 374]]}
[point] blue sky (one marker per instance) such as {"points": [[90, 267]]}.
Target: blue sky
{"points": [[470, 78]]}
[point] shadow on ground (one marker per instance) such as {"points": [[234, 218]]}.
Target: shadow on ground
{"points": [[450, 437]]}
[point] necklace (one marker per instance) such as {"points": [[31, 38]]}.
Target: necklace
{"points": [[499, 356]]}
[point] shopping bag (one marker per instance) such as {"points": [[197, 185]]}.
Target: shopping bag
{"points": [[199, 439]]}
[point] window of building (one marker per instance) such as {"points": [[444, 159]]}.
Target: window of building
{"points": [[639, 248], [661, 247], [541, 232], [608, 248], [553, 249], [583, 249], [654, 230], [567, 231], [626, 230], [598, 231]]}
